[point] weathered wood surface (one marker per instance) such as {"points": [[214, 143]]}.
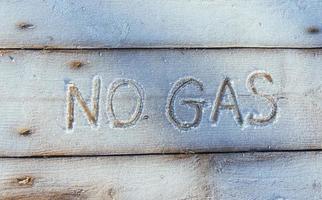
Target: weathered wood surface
{"points": [[160, 23], [272, 176], [143, 177], [34, 85]]}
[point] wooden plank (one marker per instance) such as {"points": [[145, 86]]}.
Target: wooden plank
{"points": [[276, 176], [143, 23], [273, 176], [109, 178], [39, 93]]}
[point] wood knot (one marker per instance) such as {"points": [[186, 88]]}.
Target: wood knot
{"points": [[313, 30], [76, 64], [25, 131], [112, 193], [26, 180], [25, 26]]}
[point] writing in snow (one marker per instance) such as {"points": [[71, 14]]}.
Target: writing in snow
{"points": [[91, 109]]}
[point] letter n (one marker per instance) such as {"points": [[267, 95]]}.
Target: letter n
{"points": [[73, 94]]}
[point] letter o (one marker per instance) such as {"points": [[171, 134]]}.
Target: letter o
{"points": [[117, 123]]}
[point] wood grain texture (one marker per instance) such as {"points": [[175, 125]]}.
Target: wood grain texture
{"points": [[273, 176], [159, 23], [33, 105], [109, 178]]}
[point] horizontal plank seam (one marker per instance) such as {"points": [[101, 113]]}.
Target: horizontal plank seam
{"points": [[151, 48], [162, 154]]}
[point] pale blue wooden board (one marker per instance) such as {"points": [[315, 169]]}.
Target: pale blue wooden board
{"points": [[160, 23], [34, 91], [259, 176]]}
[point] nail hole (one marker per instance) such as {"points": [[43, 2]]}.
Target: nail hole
{"points": [[25, 25], [26, 180], [25, 131], [146, 117], [12, 58], [75, 64], [313, 30]]}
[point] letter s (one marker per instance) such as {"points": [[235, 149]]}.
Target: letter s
{"points": [[250, 84]]}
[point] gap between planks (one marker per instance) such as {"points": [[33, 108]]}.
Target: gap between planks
{"points": [[190, 153], [45, 48]]}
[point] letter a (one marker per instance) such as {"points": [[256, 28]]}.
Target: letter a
{"points": [[217, 105]]}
